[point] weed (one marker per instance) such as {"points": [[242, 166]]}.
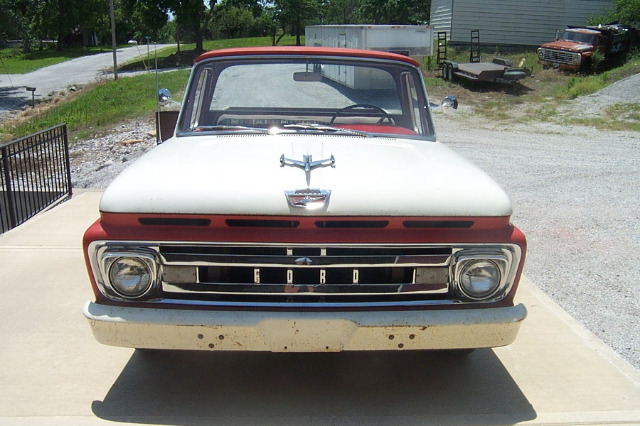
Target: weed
{"points": [[596, 62]]}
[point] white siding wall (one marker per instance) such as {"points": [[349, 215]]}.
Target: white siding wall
{"points": [[441, 16], [521, 22]]}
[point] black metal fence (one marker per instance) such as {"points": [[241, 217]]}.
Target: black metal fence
{"points": [[35, 174]]}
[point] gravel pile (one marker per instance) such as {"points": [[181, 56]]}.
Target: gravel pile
{"points": [[623, 92], [574, 190], [95, 162]]}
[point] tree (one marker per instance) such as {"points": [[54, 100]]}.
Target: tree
{"points": [[341, 12], [627, 12], [256, 7], [242, 18], [373, 11], [193, 15], [147, 18], [405, 12], [295, 14], [233, 22], [92, 20], [78, 22], [14, 23]]}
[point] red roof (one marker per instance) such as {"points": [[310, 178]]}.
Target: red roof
{"points": [[305, 51]]}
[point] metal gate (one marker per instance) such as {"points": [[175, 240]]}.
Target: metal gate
{"points": [[34, 174]]}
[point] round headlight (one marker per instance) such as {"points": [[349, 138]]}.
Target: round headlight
{"points": [[130, 276], [479, 278]]}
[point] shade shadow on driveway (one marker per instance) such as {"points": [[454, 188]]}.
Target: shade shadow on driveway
{"points": [[354, 387]]}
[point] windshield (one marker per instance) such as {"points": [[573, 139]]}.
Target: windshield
{"points": [[294, 94], [578, 37]]}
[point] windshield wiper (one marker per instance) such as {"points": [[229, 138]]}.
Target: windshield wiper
{"points": [[225, 128], [322, 128]]}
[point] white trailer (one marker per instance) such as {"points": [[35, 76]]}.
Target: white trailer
{"points": [[410, 40]]}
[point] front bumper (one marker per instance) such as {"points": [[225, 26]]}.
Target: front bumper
{"points": [[303, 331]]}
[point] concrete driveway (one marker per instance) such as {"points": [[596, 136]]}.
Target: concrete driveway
{"points": [[53, 372], [86, 69]]}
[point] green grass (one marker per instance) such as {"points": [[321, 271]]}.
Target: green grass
{"points": [[14, 61], [581, 86], [105, 104], [249, 42], [170, 58], [622, 117]]}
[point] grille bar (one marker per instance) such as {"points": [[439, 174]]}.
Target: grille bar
{"points": [[272, 270], [316, 261]]}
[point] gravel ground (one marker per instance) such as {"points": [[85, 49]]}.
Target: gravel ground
{"points": [[575, 196], [95, 162]]}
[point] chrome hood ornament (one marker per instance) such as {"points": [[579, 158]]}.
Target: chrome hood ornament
{"points": [[310, 199], [307, 164]]}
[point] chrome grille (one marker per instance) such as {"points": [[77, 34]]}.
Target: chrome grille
{"points": [[557, 56], [272, 272], [304, 276]]}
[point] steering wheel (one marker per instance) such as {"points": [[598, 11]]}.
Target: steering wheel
{"points": [[372, 108]]}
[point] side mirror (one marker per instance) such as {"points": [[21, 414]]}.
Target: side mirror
{"points": [[164, 95], [449, 103]]}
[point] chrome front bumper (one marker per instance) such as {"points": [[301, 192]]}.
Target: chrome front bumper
{"points": [[303, 331]]}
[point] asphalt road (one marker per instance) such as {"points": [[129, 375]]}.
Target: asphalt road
{"points": [[83, 70]]}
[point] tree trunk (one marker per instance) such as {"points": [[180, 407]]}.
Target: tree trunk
{"points": [[178, 36], [61, 19]]}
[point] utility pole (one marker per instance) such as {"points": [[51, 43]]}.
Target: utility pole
{"points": [[113, 40]]}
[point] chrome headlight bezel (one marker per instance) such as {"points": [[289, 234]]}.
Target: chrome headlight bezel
{"points": [[503, 260], [577, 57], [104, 256]]}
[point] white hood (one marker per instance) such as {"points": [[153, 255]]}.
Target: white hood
{"points": [[242, 175]]}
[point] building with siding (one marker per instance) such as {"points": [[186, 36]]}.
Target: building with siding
{"points": [[511, 22]]}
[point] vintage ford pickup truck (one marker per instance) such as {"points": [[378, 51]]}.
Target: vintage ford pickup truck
{"points": [[304, 205], [574, 47]]}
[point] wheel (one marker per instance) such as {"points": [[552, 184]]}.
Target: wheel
{"points": [[444, 71], [450, 72], [372, 110]]}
